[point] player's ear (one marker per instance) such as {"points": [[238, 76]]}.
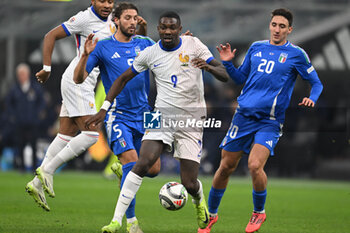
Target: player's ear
{"points": [[116, 20], [290, 29], [180, 29]]}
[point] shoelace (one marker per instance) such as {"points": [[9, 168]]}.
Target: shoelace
{"points": [[253, 218]]}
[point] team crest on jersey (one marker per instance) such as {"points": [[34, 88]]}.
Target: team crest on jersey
{"points": [[122, 142], [137, 50], [91, 105], [283, 57], [184, 59], [112, 28]]}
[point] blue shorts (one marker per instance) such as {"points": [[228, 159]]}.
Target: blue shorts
{"points": [[245, 131], [124, 135]]}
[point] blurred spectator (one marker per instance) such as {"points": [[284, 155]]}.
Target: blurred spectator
{"points": [[25, 106]]}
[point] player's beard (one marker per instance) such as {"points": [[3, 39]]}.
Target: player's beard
{"points": [[125, 31], [169, 44]]}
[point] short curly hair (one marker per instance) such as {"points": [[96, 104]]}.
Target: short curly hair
{"points": [[285, 13], [122, 6]]}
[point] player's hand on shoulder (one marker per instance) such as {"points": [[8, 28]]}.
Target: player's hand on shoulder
{"points": [[187, 33], [42, 76], [90, 44], [96, 119], [225, 52], [200, 63], [307, 102]]}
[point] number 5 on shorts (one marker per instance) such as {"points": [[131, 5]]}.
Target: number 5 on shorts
{"points": [[117, 131]]}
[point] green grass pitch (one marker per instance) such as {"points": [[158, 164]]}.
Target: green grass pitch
{"points": [[85, 202]]}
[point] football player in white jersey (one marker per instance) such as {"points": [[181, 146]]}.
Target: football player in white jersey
{"points": [[78, 100], [177, 64]]}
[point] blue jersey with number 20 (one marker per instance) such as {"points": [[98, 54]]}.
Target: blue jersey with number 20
{"points": [[269, 73]]}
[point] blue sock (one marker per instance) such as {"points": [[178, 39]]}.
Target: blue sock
{"points": [[214, 199], [259, 199], [130, 212]]}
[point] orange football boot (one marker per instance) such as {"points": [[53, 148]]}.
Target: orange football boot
{"points": [[255, 222], [212, 221]]}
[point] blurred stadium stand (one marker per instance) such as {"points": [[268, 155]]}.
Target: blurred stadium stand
{"points": [[316, 143]]}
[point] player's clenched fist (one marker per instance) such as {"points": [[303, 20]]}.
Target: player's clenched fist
{"points": [[42, 76], [93, 121]]}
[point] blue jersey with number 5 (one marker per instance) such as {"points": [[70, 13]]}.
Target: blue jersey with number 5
{"points": [[114, 58], [269, 73]]}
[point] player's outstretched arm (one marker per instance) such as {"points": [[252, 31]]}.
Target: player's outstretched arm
{"points": [[142, 29], [80, 73], [115, 89], [214, 67], [316, 90], [49, 43]]}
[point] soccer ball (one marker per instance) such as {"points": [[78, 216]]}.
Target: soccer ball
{"points": [[173, 196]]}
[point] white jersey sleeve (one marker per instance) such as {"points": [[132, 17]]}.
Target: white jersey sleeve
{"points": [[77, 23], [141, 62], [202, 50]]}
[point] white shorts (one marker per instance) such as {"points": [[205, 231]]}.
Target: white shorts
{"points": [[77, 100], [187, 144]]}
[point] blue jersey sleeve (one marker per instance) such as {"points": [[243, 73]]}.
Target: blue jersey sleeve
{"points": [[233, 72], [308, 73], [150, 42], [241, 74], [93, 60]]}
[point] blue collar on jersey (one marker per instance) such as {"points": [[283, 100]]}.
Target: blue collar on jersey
{"points": [[114, 39], [93, 10], [169, 50]]}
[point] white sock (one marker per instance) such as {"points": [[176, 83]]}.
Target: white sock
{"points": [[131, 220], [197, 199], [260, 212], [55, 147], [131, 185], [74, 148]]}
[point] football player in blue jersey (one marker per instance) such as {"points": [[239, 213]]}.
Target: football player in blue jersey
{"points": [[269, 72], [124, 119]]}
